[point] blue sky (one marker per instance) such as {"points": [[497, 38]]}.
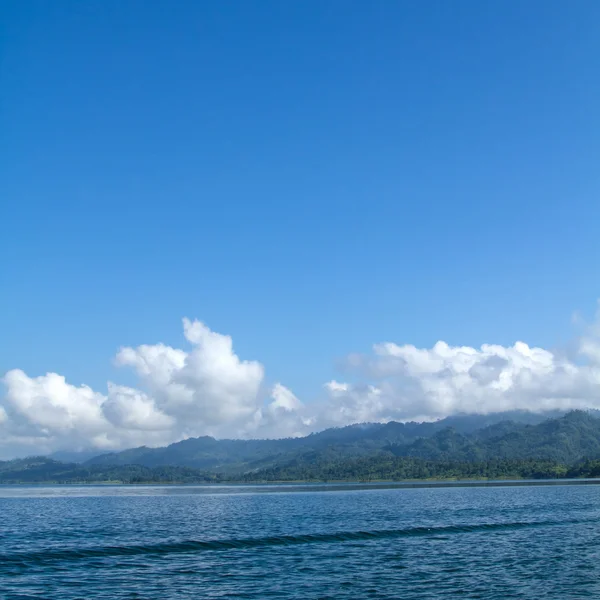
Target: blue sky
{"points": [[309, 177]]}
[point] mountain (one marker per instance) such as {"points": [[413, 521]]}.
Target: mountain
{"points": [[230, 456], [73, 456], [567, 446], [567, 439], [40, 469]]}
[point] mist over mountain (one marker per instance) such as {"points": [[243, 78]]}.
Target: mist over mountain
{"points": [[354, 440], [467, 446], [73, 456]]}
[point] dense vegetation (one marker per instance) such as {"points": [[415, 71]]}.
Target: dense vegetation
{"points": [[459, 448], [366, 439], [397, 469], [377, 468], [39, 469]]}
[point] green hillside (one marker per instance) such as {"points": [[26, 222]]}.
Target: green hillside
{"points": [[461, 447]]}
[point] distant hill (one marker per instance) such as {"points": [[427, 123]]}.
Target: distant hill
{"points": [[568, 446], [73, 456], [567, 441], [40, 469], [230, 456], [472, 446]]}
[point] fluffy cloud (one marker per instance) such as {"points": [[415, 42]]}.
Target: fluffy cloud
{"points": [[46, 413], [49, 403], [423, 384], [209, 385], [128, 408], [209, 390]]}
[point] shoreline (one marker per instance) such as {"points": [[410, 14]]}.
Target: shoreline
{"points": [[322, 485]]}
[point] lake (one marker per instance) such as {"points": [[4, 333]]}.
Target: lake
{"points": [[299, 542]]}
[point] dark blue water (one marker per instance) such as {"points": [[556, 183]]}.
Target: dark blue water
{"points": [[244, 542]]}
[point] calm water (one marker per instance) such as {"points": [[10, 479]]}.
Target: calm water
{"points": [[279, 542]]}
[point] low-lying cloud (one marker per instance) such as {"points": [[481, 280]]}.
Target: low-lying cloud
{"points": [[209, 390]]}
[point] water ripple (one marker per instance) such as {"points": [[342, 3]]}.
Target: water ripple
{"points": [[185, 546]]}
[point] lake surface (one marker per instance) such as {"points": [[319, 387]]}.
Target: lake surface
{"points": [[299, 542]]}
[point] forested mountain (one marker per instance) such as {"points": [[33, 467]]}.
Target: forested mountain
{"points": [[374, 468], [73, 456], [40, 469], [352, 441], [567, 446], [566, 439]]}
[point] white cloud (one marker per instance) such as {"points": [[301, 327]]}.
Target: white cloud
{"points": [[284, 399], [46, 413], [208, 386], [49, 403], [347, 404], [128, 408], [284, 416], [416, 383], [209, 390]]}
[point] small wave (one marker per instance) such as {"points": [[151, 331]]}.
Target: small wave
{"points": [[24, 559]]}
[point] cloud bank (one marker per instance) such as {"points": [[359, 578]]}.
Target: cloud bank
{"points": [[209, 390]]}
